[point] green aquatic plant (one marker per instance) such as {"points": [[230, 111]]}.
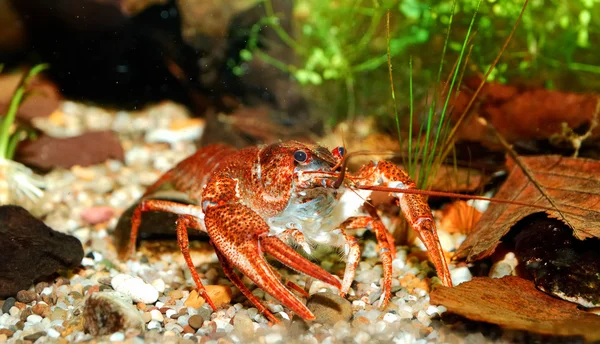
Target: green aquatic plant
{"points": [[16, 180], [341, 46]]}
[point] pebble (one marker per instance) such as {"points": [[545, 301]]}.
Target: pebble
{"points": [[219, 294], [26, 296], [8, 304], [106, 312], [35, 336], [329, 308], [460, 275], [176, 294], [156, 315], [194, 300], [52, 333], [6, 332], [196, 321], [117, 337], [41, 309], [135, 288], [34, 319]]}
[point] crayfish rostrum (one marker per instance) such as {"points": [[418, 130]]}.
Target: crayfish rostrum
{"points": [[254, 200]]}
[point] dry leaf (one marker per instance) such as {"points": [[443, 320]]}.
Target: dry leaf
{"points": [[503, 107], [515, 303], [459, 217], [571, 183]]}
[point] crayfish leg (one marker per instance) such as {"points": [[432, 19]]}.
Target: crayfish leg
{"points": [[237, 281], [183, 222], [414, 207], [241, 236], [164, 206]]}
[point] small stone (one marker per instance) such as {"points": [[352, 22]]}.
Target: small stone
{"points": [[146, 316], [117, 337], [142, 306], [14, 311], [196, 321], [156, 315], [176, 294], [7, 332], [108, 312], [41, 286], [99, 214], [135, 288], [34, 319], [188, 329], [26, 296], [460, 275], [58, 314], [170, 313], [194, 300], [8, 303], [329, 308], [153, 325], [52, 333], [219, 294], [159, 285], [35, 336], [41, 309]]}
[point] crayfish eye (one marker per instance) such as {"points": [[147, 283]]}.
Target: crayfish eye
{"points": [[301, 156], [338, 152]]}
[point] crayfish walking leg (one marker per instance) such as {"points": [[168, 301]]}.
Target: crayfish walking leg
{"points": [[414, 207]]}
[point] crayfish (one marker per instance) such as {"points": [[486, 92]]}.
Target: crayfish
{"points": [[254, 200]]}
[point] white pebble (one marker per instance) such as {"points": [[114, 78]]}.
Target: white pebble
{"points": [[117, 337], [390, 317], [431, 310], [273, 337], [157, 315], [460, 275], [134, 287], [14, 311], [159, 284], [52, 333], [47, 290], [153, 324], [34, 319], [170, 312], [423, 318]]}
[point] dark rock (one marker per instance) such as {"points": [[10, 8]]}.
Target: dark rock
{"points": [[8, 303], [26, 296], [46, 152], [329, 308], [106, 312], [35, 336], [31, 250], [560, 264]]}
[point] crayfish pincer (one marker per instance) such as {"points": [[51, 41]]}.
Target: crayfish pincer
{"points": [[254, 200]]}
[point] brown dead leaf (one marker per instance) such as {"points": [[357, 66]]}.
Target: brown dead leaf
{"points": [[459, 217], [503, 107], [571, 183], [515, 303]]}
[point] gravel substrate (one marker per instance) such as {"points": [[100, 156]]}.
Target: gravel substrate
{"points": [[156, 295]]}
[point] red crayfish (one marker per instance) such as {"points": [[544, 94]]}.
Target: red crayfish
{"points": [[252, 201]]}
